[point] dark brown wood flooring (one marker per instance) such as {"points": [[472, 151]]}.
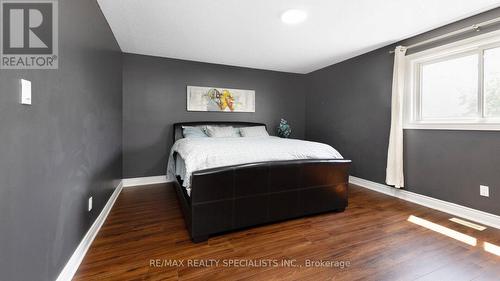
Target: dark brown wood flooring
{"points": [[372, 239]]}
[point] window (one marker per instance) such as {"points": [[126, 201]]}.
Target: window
{"points": [[492, 83], [450, 88], [455, 86]]}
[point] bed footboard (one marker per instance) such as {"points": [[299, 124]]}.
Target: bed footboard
{"points": [[235, 197]]}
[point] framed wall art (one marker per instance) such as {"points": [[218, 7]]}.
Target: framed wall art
{"points": [[220, 99]]}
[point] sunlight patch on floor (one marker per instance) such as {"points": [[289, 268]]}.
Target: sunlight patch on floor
{"points": [[443, 230], [491, 248], [468, 224]]}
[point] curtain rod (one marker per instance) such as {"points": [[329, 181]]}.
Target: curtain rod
{"points": [[474, 27]]}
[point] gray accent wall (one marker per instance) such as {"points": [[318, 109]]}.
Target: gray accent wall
{"points": [[62, 149], [154, 98], [349, 107]]}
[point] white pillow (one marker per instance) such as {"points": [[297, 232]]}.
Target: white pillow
{"points": [[193, 132], [255, 131], [222, 132]]}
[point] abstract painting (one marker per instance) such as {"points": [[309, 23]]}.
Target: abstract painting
{"points": [[220, 99]]}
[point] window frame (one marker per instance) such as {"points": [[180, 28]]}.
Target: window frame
{"points": [[413, 85]]}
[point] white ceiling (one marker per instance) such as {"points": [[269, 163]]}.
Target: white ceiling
{"points": [[250, 33]]}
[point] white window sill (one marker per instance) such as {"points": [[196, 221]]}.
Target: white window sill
{"points": [[453, 126]]}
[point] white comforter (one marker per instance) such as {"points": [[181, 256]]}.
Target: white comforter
{"points": [[204, 153]]}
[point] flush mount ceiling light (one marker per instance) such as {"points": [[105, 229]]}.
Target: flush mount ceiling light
{"points": [[293, 16]]}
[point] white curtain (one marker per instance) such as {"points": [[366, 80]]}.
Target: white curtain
{"points": [[394, 171]]}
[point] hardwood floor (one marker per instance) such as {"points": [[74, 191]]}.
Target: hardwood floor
{"points": [[373, 239]]}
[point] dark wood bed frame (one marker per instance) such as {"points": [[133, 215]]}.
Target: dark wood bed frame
{"points": [[240, 196]]}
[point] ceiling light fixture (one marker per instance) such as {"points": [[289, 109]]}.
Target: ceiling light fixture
{"points": [[293, 16]]}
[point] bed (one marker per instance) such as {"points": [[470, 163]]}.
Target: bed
{"points": [[226, 198]]}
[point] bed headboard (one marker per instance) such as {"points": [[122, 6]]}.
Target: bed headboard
{"points": [[178, 126]]}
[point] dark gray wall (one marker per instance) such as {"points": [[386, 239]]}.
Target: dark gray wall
{"points": [[349, 107], [62, 149], [154, 97]]}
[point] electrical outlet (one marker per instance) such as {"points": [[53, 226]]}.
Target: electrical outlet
{"points": [[484, 190], [90, 204]]}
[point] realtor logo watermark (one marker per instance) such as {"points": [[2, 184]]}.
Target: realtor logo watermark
{"points": [[29, 34]]}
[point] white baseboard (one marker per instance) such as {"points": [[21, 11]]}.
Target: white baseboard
{"points": [[144, 181], [440, 205], [76, 259]]}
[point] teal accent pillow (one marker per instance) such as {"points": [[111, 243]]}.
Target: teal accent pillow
{"points": [[193, 132]]}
